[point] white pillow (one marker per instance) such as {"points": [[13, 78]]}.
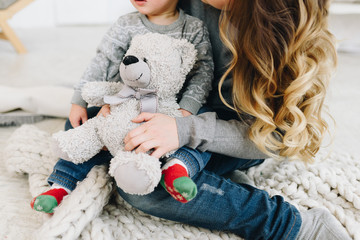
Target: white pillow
{"points": [[45, 100]]}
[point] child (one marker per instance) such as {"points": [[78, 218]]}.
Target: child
{"points": [[153, 16]]}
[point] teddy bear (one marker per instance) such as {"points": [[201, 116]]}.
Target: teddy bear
{"points": [[153, 71]]}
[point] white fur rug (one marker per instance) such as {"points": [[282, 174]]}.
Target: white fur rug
{"points": [[90, 213]]}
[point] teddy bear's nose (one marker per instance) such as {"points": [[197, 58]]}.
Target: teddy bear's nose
{"points": [[130, 60]]}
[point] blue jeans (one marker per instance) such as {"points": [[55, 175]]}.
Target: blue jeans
{"points": [[196, 161], [220, 203]]}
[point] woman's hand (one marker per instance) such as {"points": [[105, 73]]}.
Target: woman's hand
{"points": [[158, 132], [78, 115], [105, 110], [185, 113]]}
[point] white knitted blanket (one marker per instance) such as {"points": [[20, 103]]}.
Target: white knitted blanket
{"points": [[93, 211]]}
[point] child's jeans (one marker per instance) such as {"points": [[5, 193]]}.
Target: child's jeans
{"points": [[220, 203], [196, 161]]}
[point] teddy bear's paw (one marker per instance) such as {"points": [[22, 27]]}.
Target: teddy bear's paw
{"points": [[132, 180], [135, 173], [79, 144], [57, 150]]}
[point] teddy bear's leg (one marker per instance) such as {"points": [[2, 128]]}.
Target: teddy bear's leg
{"points": [[135, 173], [79, 144]]}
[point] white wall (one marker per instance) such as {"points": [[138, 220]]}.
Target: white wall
{"points": [[49, 13], [79, 12]]}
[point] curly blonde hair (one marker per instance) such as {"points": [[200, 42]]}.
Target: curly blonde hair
{"points": [[283, 58]]}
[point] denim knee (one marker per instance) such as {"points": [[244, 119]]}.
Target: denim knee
{"points": [[194, 160]]}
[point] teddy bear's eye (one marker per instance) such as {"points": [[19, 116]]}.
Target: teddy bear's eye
{"points": [[145, 60]]}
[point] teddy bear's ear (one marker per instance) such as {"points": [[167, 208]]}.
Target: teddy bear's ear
{"points": [[187, 53]]}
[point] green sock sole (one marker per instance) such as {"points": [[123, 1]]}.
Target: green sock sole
{"points": [[186, 187], [45, 203]]}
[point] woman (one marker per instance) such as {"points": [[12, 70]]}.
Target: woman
{"points": [[280, 54]]}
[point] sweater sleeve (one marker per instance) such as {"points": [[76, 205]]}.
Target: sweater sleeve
{"points": [[200, 78], [105, 65], [208, 133]]}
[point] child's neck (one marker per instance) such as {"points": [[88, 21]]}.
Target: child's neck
{"points": [[165, 18]]}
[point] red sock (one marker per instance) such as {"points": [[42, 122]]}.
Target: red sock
{"points": [[47, 201], [176, 181]]}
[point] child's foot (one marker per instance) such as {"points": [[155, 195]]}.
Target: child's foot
{"points": [[176, 181], [47, 201]]}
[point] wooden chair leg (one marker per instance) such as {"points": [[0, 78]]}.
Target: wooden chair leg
{"points": [[10, 35]]}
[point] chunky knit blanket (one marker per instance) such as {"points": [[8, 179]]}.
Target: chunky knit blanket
{"points": [[94, 211]]}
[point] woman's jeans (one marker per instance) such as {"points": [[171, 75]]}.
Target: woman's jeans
{"points": [[220, 203]]}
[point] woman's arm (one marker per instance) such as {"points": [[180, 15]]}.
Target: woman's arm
{"points": [[208, 133], [204, 131]]}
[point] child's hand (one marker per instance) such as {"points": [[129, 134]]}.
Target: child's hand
{"points": [[78, 115], [185, 113], [105, 110]]}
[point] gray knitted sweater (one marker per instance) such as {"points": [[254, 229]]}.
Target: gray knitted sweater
{"points": [[105, 65]]}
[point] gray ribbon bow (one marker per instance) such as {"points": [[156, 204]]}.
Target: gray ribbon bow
{"points": [[147, 97]]}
